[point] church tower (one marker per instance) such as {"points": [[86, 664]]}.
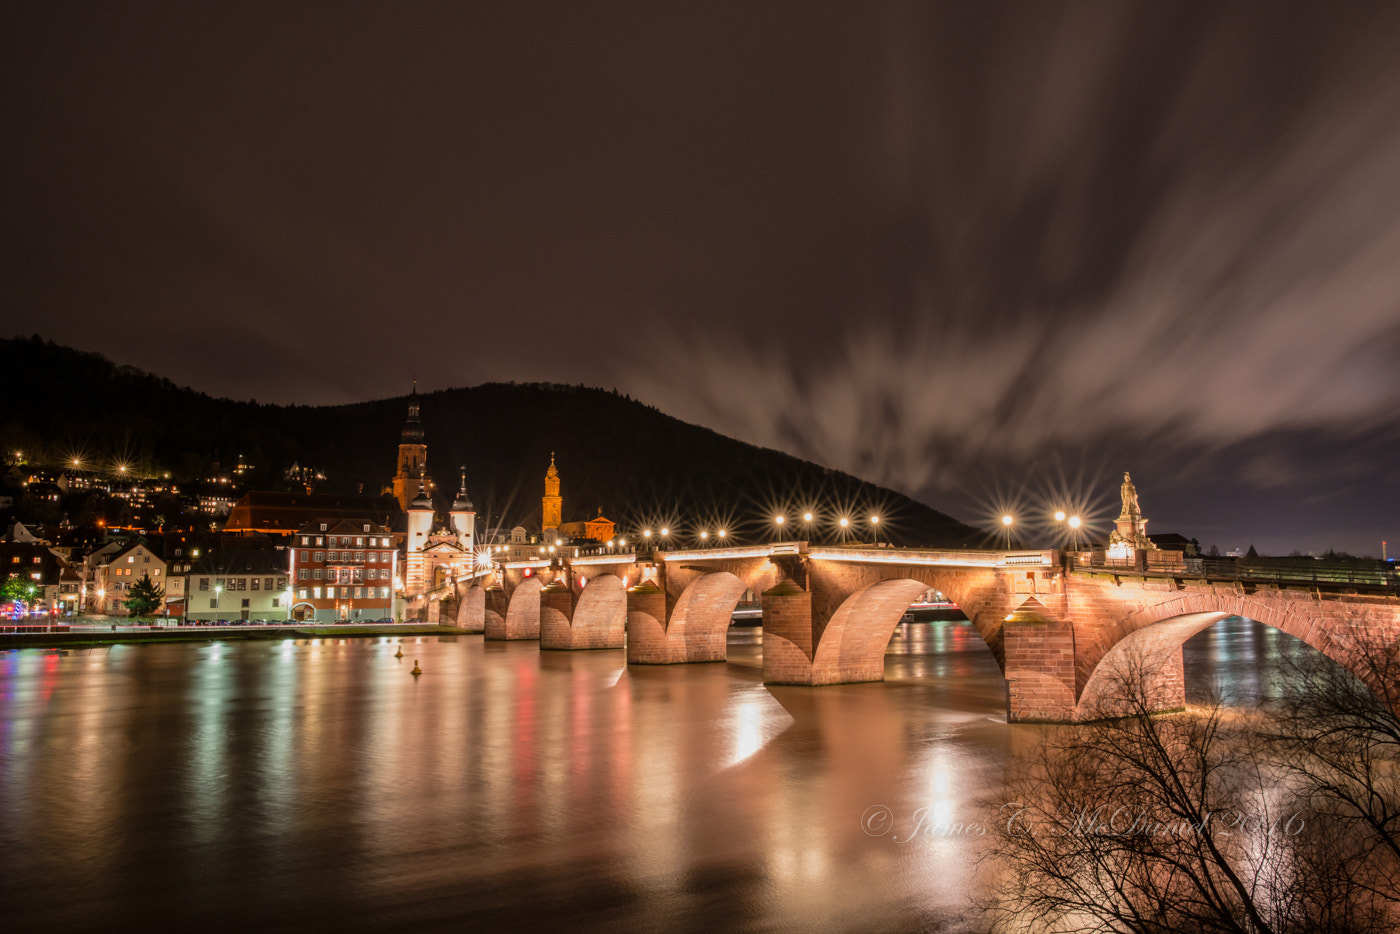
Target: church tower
{"points": [[413, 456], [463, 517], [553, 503], [420, 523]]}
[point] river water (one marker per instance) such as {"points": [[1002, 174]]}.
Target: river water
{"points": [[317, 784]]}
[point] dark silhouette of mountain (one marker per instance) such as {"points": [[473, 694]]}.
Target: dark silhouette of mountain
{"points": [[642, 468]]}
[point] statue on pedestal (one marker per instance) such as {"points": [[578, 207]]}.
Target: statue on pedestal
{"points": [[1131, 532]]}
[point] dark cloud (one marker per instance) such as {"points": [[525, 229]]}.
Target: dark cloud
{"points": [[954, 248]]}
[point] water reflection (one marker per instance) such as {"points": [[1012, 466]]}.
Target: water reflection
{"points": [[316, 783]]}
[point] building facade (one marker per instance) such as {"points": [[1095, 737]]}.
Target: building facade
{"points": [[343, 570], [239, 584]]}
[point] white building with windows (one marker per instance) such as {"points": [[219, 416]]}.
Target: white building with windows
{"points": [[239, 585]]}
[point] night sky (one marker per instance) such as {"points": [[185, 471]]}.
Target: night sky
{"points": [[989, 254]]}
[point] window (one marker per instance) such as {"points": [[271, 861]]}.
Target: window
{"points": [[213, 603], [316, 591], [320, 556], [245, 603], [366, 526], [130, 559], [359, 592], [204, 583], [320, 541], [319, 574], [345, 593], [304, 574], [267, 583], [305, 557], [275, 603], [145, 560], [359, 556], [302, 593], [360, 542], [281, 582], [323, 528], [36, 559], [156, 573], [257, 583], [306, 539]]}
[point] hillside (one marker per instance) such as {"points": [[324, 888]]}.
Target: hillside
{"points": [[640, 466]]}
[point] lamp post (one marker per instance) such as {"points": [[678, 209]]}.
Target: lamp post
{"points": [[807, 525], [875, 526], [1006, 523]]}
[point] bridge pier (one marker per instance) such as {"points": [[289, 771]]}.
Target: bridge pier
{"points": [[471, 609], [1039, 666], [788, 640], [521, 619]]}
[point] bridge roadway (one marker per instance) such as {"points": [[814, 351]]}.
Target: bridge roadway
{"points": [[1062, 635]]}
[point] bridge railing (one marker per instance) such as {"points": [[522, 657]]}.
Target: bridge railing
{"points": [[1320, 572]]}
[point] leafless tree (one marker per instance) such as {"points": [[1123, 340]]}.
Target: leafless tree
{"points": [[1338, 735], [1142, 822]]}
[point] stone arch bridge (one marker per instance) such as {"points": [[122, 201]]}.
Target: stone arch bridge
{"points": [[1058, 632]]}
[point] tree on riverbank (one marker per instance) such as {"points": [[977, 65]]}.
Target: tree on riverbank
{"points": [[144, 597], [1210, 820]]}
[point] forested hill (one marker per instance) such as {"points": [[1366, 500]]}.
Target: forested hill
{"points": [[640, 466]]}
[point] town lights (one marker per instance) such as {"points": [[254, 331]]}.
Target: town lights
{"points": [[720, 533], [704, 536], [1074, 522], [1059, 515], [646, 533], [665, 532], [780, 520], [845, 522]]}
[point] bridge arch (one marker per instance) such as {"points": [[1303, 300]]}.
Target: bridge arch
{"points": [[853, 644], [594, 617], [702, 614], [1154, 635]]}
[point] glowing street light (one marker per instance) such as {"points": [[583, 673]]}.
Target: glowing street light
{"points": [[704, 536], [875, 525], [1006, 523], [720, 533], [1059, 515]]}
